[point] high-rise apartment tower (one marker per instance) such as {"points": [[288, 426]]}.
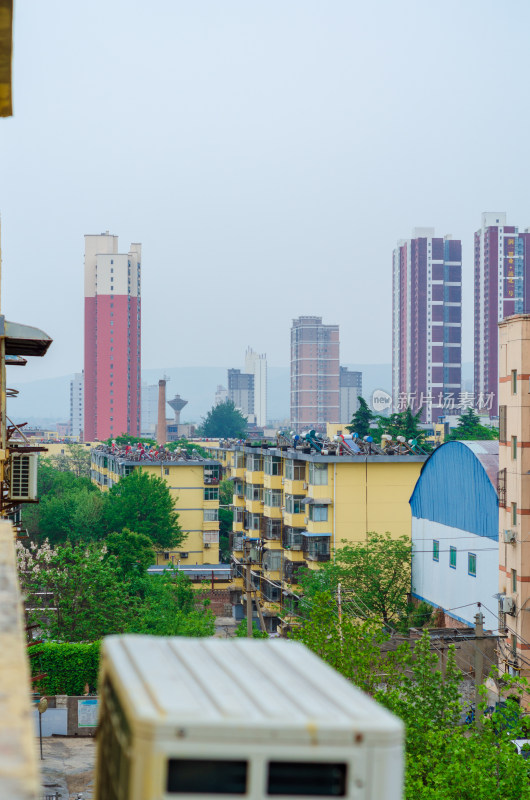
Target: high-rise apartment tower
{"points": [[77, 405], [502, 288], [112, 338], [351, 388], [256, 364], [427, 324], [315, 385]]}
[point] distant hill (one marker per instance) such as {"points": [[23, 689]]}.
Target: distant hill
{"points": [[45, 402]]}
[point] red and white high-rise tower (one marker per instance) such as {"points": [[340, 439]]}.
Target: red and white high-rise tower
{"points": [[112, 338]]}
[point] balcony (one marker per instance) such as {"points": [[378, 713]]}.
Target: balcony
{"points": [[236, 542], [292, 538], [291, 570], [272, 530], [315, 547]]}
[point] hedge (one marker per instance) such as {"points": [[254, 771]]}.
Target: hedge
{"points": [[69, 667]]}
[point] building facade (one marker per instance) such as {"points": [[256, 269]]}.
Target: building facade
{"points": [[427, 324], [514, 493], [315, 382], [502, 288], [149, 413], [77, 405], [256, 365], [454, 541], [293, 508], [241, 392], [351, 388], [194, 487], [112, 338]]}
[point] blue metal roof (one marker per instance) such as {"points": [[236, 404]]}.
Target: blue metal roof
{"points": [[454, 489]]}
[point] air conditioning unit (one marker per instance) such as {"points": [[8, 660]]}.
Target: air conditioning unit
{"points": [[507, 604], [510, 537], [305, 485], [207, 544], [23, 483]]}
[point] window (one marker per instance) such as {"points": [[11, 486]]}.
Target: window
{"points": [[272, 465], [452, 557], [272, 497], [514, 513], [435, 550], [514, 447], [514, 580], [293, 504], [211, 514], [514, 381], [211, 493], [294, 470], [472, 564], [166, 470], [253, 492], [318, 474], [318, 513]]}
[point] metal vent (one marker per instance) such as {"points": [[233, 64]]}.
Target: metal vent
{"points": [[23, 476]]}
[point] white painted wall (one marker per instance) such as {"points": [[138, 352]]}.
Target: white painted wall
{"points": [[440, 585]]}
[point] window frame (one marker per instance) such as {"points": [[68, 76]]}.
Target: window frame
{"points": [[436, 550], [452, 557], [472, 564]]}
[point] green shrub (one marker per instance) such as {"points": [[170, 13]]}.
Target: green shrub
{"points": [[69, 667]]}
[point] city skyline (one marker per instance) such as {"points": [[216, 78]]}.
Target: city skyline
{"points": [[281, 171]]}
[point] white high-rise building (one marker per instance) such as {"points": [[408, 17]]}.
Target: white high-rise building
{"points": [[256, 364], [77, 404], [149, 415]]}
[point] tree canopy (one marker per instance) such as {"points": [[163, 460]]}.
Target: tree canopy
{"points": [[360, 422], [73, 509], [224, 421], [142, 502], [469, 427], [94, 590], [403, 423], [376, 571]]}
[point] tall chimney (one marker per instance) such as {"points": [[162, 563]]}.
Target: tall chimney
{"points": [[161, 430]]}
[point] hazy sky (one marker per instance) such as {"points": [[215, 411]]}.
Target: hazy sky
{"points": [[267, 155]]}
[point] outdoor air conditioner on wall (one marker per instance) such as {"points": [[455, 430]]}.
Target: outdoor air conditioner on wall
{"points": [[23, 483], [510, 537], [507, 605]]}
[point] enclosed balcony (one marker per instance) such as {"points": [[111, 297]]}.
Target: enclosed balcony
{"points": [[272, 529], [291, 570], [316, 546], [292, 538]]}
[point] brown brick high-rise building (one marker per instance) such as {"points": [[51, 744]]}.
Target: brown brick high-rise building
{"points": [[315, 382]]}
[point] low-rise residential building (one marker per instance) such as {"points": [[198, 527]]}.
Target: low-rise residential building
{"points": [[294, 506], [455, 532], [193, 484]]}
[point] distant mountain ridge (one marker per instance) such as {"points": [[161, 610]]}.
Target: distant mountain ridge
{"points": [[48, 401]]}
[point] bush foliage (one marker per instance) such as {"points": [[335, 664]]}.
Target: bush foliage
{"points": [[69, 667]]}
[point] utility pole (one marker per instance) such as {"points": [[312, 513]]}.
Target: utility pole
{"points": [[248, 589], [479, 665]]}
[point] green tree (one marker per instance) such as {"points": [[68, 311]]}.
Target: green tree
{"points": [[226, 518], [81, 593], [360, 422], [142, 502], [469, 427], [224, 421], [86, 592], [76, 459], [376, 571], [134, 552], [171, 607], [403, 423]]}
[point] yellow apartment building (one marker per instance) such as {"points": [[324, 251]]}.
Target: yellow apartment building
{"points": [[292, 509], [193, 483]]}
